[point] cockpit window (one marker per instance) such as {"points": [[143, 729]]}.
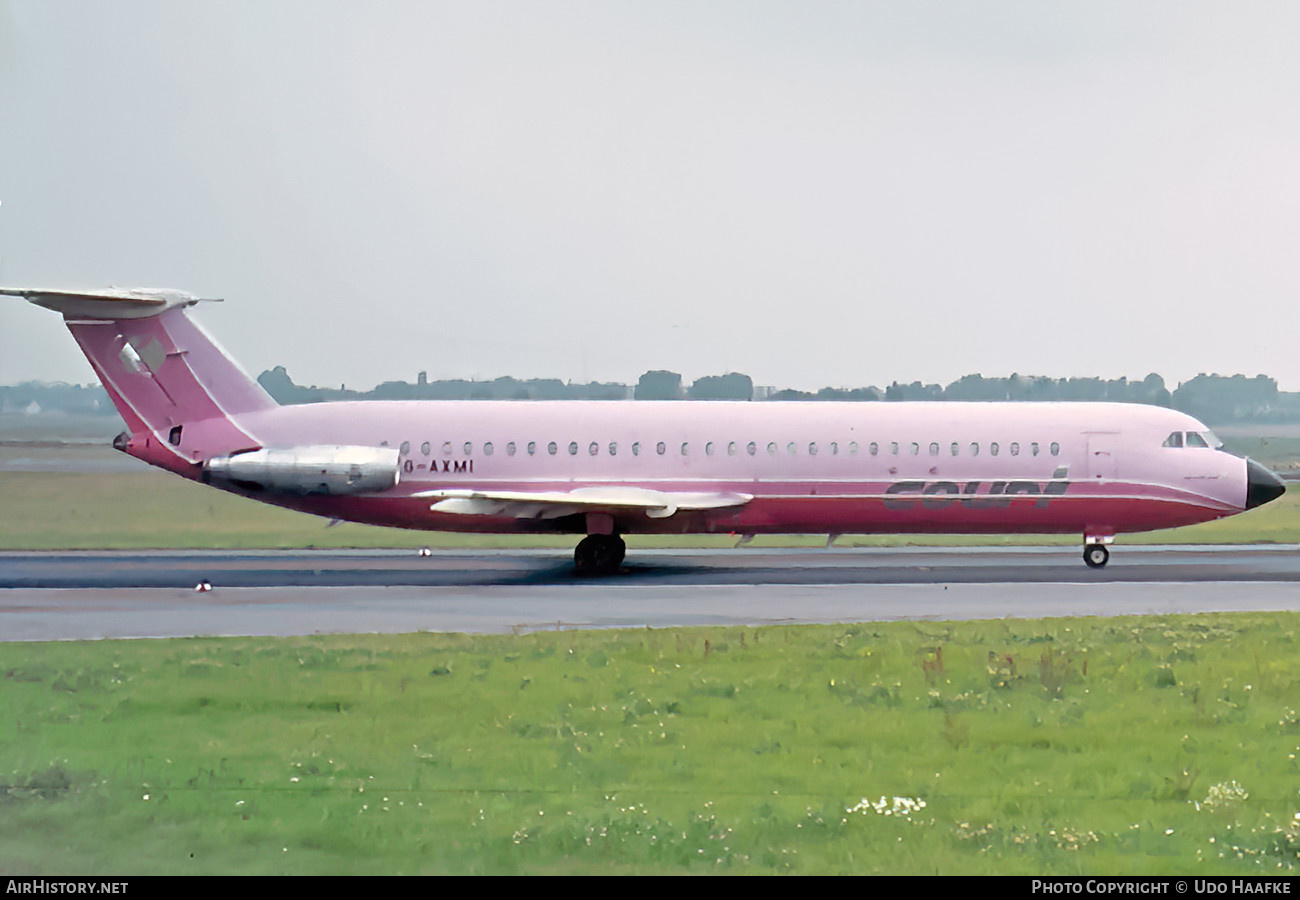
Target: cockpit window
{"points": [[1204, 439]]}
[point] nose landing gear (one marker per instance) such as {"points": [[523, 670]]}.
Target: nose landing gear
{"points": [[1096, 555]]}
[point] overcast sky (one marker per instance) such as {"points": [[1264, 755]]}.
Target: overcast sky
{"points": [[813, 193]]}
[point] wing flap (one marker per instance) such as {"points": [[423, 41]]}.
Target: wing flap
{"points": [[555, 504]]}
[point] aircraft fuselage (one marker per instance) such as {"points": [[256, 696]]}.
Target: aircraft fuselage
{"points": [[1092, 468]]}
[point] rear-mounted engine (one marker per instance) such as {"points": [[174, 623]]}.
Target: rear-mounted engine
{"points": [[308, 470]]}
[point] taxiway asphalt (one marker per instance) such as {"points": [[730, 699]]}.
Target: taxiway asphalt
{"points": [[92, 595]]}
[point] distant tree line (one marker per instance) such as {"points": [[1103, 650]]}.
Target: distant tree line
{"points": [[661, 385], [1215, 399], [280, 386], [34, 397]]}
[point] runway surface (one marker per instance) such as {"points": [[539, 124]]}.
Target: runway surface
{"points": [[406, 568], [68, 596]]}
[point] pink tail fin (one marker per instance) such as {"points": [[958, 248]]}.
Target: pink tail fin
{"points": [[178, 391]]}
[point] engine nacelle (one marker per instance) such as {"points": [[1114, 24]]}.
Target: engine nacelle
{"points": [[320, 469]]}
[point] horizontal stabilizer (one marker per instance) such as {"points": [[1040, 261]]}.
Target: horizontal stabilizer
{"points": [[555, 504], [108, 303]]}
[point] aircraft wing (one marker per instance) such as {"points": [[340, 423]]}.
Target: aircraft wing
{"points": [[554, 504]]}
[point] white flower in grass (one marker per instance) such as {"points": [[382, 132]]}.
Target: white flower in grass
{"points": [[885, 806], [1222, 796]]}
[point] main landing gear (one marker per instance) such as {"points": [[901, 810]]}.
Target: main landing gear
{"points": [[599, 554]]}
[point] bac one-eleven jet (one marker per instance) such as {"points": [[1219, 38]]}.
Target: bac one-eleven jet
{"points": [[606, 468]]}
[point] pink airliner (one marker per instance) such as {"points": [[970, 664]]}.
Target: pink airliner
{"points": [[605, 468]]}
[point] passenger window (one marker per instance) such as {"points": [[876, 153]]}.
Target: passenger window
{"points": [[551, 448], [934, 448], [751, 448], [487, 449], [469, 448], [1033, 448], [1055, 448], [636, 448], [993, 449], [446, 448], [956, 448], [532, 448], [425, 448], [708, 449], [974, 448], [405, 448], [791, 448], [510, 449], [771, 447], [893, 447], [1195, 440], [873, 448], [592, 449], [835, 448], [1174, 440], [1015, 448], [853, 448], [613, 448], [573, 448], [731, 448], [812, 448], [686, 447], [916, 449], [661, 448]]}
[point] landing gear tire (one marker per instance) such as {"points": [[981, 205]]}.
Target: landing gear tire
{"points": [[599, 554], [1096, 555]]}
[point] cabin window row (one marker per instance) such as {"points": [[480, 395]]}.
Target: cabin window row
{"points": [[733, 448]]}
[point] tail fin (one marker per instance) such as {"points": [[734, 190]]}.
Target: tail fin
{"points": [[178, 391]]}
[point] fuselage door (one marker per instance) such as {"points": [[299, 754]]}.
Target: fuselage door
{"points": [[1101, 455]]}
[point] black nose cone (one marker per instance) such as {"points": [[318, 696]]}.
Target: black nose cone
{"points": [[1261, 485]]}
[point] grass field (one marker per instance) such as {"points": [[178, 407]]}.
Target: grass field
{"points": [[151, 509], [1140, 745]]}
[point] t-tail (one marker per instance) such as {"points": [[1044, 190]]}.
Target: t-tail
{"points": [[178, 391]]}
